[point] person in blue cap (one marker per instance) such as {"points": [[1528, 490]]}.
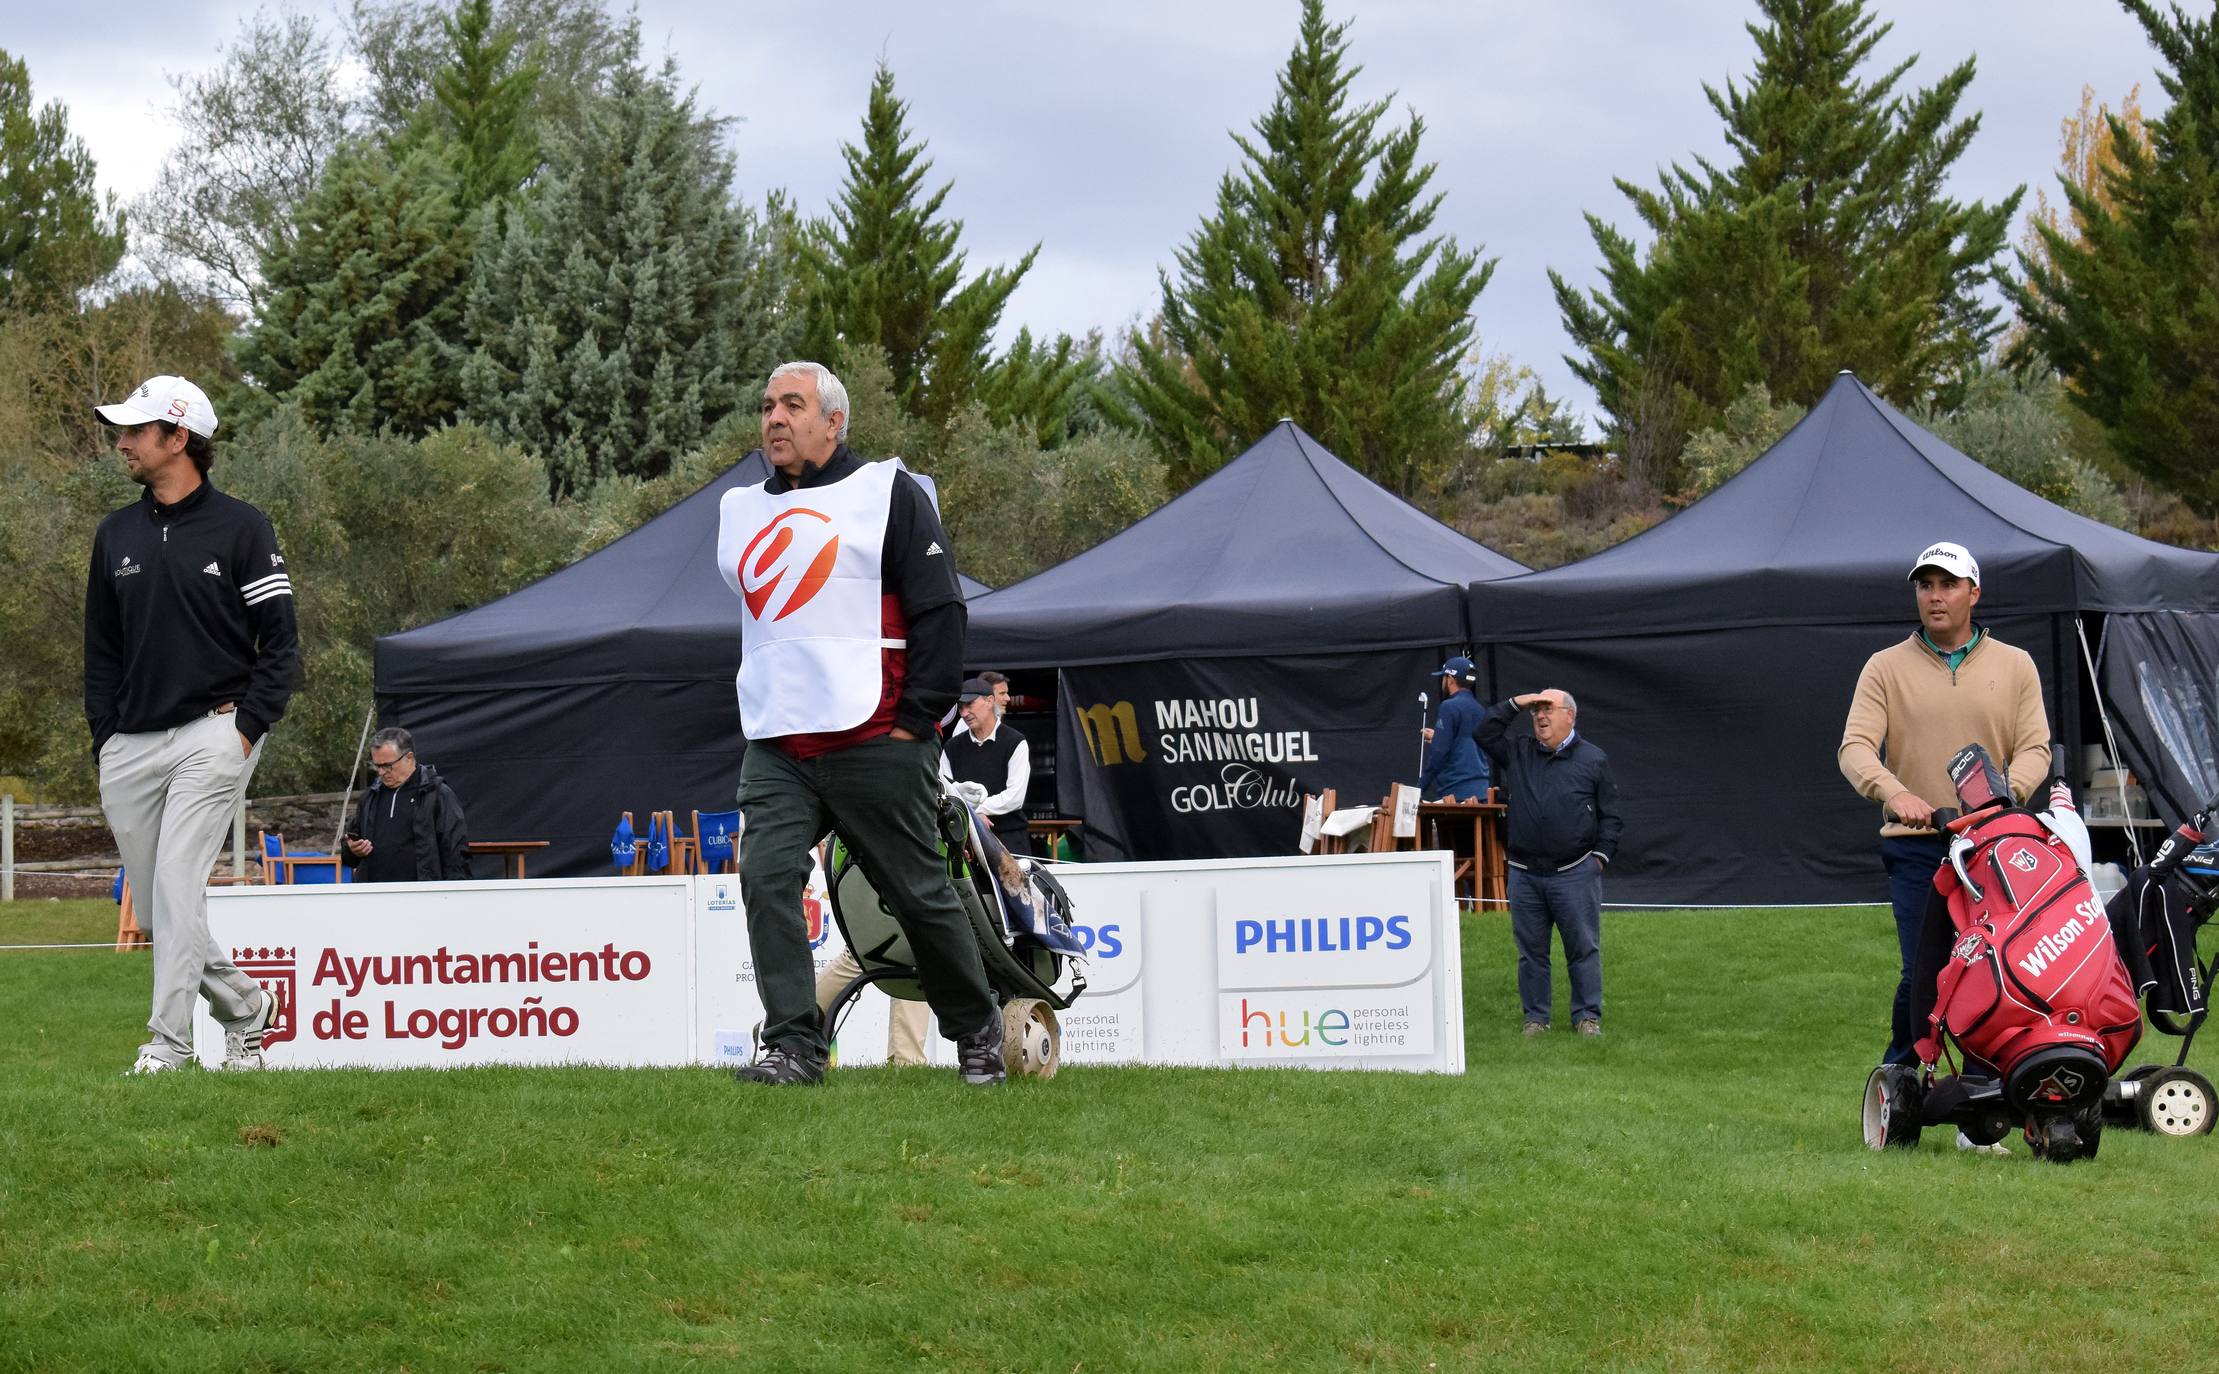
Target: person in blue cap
{"points": [[1455, 769]]}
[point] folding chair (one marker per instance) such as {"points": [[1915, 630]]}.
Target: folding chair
{"points": [[684, 853], [637, 868], [128, 933], [716, 837], [297, 866], [1325, 802]]}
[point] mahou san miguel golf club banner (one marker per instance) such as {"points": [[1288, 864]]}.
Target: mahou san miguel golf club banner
{"points": [[1210, 758], [1341, 962]]}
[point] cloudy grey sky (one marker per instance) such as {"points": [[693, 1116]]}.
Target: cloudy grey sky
{"points": [[1099, 131]]}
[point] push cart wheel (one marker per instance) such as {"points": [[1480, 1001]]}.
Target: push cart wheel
{"points": [[2139, 1072], [2089, 1121], [2178, 1102], [2056, 1137], [1032, 1040], [1892, 1098]]}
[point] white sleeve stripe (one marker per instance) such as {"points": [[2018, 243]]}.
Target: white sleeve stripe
{"points": [[257, 598], [261, 582]]}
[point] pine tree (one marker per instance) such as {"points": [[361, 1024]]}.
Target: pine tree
{"points": [[2125, 311], [257, 131], [1042, 386], [1825, 243], [1313, 293], [883, 270], [626, 305], [57, 236], [361, 324], [483, 95]]}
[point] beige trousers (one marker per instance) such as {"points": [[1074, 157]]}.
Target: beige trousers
{"points": [[905, 1022], [169, 796]]}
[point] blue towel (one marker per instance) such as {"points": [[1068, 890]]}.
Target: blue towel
{"points": [[620, 844], [658, 845]]}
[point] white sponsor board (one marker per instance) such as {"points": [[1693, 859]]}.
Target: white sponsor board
{"points": [[587, 970], [1341, 961], [1346, 961], [727, 1006]]}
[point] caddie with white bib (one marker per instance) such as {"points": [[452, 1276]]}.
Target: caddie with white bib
{"points": [[851, 650]]}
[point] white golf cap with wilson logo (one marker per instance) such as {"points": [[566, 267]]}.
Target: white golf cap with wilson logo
{"points": [[164, 398], [1953, 559]]}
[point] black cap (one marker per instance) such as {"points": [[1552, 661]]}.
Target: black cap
{"points": [[974, 688]]}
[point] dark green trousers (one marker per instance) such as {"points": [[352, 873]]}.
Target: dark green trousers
{"points": [[881, 796]]}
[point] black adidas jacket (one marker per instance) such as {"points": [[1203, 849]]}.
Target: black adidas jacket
{"points": [[187, 606]]}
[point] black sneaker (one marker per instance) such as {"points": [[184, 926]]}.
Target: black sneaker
{"points": [[978, 1056], [781, 1067]]}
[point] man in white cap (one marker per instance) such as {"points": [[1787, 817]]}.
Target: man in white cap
{"points": [[190, 657], [1949, 683]]}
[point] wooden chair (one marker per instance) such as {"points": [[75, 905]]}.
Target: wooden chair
{"points": [[128, 933], [685, 852], [281, 867], [1381, 839], [638, 867], [1326, 800], [716, 841]]}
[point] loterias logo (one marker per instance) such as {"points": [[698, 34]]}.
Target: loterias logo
{"points": [[788, 540]]}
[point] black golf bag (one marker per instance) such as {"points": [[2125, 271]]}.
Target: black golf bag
{"points": [[1035, 962], [2158, 915]]}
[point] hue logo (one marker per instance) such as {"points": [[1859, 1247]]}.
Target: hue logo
{"points": [[1321, 934], [776, 549], [1264, 1028]]}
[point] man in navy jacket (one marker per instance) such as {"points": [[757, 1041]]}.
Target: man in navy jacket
{"points": [[1564, 826], [1455, 770]]}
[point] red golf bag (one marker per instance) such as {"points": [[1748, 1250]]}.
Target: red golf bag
{"points": [[2031, 985]]}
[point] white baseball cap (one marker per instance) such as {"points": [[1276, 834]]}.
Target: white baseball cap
{"points": [[164, 398], [1953, 559]]}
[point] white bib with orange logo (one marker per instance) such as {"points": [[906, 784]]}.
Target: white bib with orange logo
{"points": [[805, 563]]}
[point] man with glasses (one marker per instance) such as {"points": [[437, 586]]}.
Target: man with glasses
{"points": [[409, 828], [191, 654]]}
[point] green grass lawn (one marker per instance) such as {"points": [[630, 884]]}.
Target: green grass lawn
{"points": [[1688, 1193]]}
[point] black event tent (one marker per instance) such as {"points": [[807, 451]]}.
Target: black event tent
{"points": [[1263, 635], [604, 687], [1714, 656]]}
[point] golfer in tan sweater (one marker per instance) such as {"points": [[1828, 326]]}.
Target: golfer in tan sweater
{"points": [[1947, 685]]}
